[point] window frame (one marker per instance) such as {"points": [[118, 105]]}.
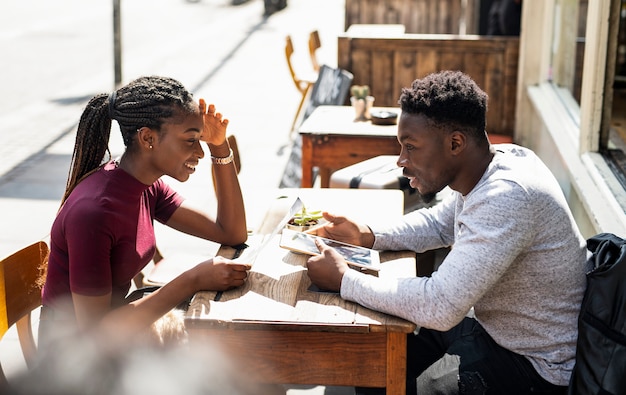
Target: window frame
{"points": [[575, 129]]}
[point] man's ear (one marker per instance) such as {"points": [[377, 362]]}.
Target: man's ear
{"points": [[458, 141]]}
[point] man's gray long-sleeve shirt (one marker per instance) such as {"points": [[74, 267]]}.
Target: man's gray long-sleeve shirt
{"points": [[516, 256]]}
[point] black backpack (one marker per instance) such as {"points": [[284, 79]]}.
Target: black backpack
{"points": [[601, 348]]}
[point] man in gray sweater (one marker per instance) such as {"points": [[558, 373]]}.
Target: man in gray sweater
{"points": [[517, 257]]}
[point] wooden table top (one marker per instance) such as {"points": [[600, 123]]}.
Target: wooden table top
{"points": [[277, 296], [339, 120]]}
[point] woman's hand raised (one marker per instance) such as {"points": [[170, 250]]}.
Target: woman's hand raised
{"points": [[214, 126]]}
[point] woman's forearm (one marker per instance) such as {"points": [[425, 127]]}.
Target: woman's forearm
{"points": [[126, 322], [231, 215]]}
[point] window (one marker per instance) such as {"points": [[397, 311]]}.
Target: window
{"points": [[566, 73], [568, 46], [571, 90], [613, 143]]}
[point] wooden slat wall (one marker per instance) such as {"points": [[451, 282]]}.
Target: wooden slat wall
{"points": [[389, 64], [417, 16]]}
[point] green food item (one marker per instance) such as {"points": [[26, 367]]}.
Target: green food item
{"points": [[304, 216]]}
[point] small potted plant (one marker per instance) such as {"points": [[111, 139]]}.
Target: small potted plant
{"points": [[361, 101], [304, 219]]}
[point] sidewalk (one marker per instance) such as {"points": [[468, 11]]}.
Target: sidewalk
{"points": [[246, 77], [244, 73]]}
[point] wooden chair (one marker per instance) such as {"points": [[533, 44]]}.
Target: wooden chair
{"points": [[303, 85], [314, 45], [331, 88], [20, 294]]}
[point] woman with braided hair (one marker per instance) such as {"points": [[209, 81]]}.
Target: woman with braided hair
{"points": [[103, 234]]}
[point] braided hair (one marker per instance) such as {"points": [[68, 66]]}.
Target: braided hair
{"points": [[146, 101], [450, 100]]}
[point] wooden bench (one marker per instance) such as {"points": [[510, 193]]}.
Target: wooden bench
{"points": [[417, 16], [387, 64]]}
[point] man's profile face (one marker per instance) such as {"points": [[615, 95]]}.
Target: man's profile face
{"points": [[424, 157]]}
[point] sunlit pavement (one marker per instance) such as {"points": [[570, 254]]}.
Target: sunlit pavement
{"points": [[56, 55]]}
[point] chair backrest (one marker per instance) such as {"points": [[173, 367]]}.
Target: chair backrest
{"points": [[20, 294], [303, 81], [232, 141], [288, 53], [314, 45]]}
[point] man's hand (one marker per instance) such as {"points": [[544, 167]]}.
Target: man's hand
{"points": [[326, 270], [345, 230]]}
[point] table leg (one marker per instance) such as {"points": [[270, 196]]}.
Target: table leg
{"points": [[324, 177], [307, 162], [396, 363]]}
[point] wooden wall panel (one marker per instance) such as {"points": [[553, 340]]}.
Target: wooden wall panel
{"points": [[418, 16], [389, 64]]}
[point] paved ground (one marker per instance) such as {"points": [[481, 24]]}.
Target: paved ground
{"points": [[58, 54], [230, 55]]}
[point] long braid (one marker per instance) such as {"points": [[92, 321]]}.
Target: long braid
{"points": [[92, 141], [146, 101]]}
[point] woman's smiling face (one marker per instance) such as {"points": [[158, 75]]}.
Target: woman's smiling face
{"points": [[178, 150]]}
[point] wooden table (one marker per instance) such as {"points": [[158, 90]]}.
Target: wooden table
{"points": [[332, 139], [277, 331]]}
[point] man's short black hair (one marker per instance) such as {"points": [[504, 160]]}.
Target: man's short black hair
{"points": [[451, 100]]}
